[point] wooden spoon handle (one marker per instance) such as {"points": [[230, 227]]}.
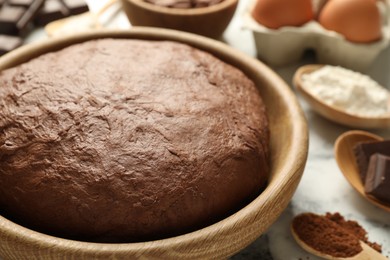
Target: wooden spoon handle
{"points": [[368, 253]]}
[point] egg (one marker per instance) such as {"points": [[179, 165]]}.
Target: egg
{"points": [[358, 20], [277, 13]]}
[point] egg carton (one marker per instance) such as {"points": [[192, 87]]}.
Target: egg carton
{"points": [[286, 45]]}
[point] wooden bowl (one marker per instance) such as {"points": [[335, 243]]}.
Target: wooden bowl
{"points": [[333, 113], [207, 21], [289, 147]]}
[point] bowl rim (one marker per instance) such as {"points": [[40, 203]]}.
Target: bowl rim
{"points": [[291, 171], [181, 11]]}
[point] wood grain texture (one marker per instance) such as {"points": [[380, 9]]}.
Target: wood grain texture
{"points": [[345, 157], [208, 21], [368, 253], [332, 113], [289, 147]]}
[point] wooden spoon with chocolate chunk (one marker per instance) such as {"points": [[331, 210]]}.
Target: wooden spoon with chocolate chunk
{"points": [[346, 160]]}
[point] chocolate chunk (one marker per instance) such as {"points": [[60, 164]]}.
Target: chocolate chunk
{"points": [[16, 16], [378, 177], [76, 6], [58, 9], [25, 3], [51, 11], [28, 16], [9, 17], [9, 43], [363, 152]]}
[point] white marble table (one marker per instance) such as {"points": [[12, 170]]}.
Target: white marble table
{"points": [[323, 187]]}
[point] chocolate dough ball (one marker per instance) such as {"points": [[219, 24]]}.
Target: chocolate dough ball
{"points": [[119, 140]]}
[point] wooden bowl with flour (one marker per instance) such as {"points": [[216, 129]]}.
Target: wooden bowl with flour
{"points": [[336, 113]]}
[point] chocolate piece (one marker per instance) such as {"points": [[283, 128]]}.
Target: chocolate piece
{"points": [[15, 19], [9, 43], [9, 18], [18, 16], [363, 152], [378, 177], [51, 11], [24, 3], [76, 6], [29, 15], [58, 9]]}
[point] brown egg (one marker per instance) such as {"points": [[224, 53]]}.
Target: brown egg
{"points": [[277, 13], [358, 20]]}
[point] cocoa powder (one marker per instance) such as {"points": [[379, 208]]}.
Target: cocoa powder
{"points": [[331, 234], [354, 228]]}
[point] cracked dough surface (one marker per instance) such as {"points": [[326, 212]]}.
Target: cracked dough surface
{"points": [[120, 140]]}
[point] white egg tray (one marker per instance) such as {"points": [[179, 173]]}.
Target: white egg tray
{"points": [[287, 44]]}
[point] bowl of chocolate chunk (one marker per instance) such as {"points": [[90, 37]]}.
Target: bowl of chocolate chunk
{"points": [[205, 17], [146, 143]]}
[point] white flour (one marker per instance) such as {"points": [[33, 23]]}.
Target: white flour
{"points": [[347, 90]]}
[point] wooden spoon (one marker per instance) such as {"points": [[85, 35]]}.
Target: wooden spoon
{"points": [[333, 113], [367, 253], [345, 158]]}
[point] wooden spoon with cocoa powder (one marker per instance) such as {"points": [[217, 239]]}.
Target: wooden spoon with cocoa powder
{"points": [[324, 238]]}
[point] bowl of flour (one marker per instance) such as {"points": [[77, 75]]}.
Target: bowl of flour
{"points": [[344, 96]]}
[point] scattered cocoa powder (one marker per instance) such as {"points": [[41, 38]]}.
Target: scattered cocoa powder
{"points": [[331, 234]]}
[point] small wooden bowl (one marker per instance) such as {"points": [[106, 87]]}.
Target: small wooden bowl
{"points": [[333, 113], [207, 21], [289, 147]]}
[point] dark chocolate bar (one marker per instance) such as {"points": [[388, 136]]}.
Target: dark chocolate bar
{"points": [[9, 17], [24, 3], [9, 43], [76, 6], [363, 152], [378, 177], [16, 16], [58, 9], [51, 11]]}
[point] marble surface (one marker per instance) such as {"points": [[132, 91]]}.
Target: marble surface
{"points": [[322, 188]]}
